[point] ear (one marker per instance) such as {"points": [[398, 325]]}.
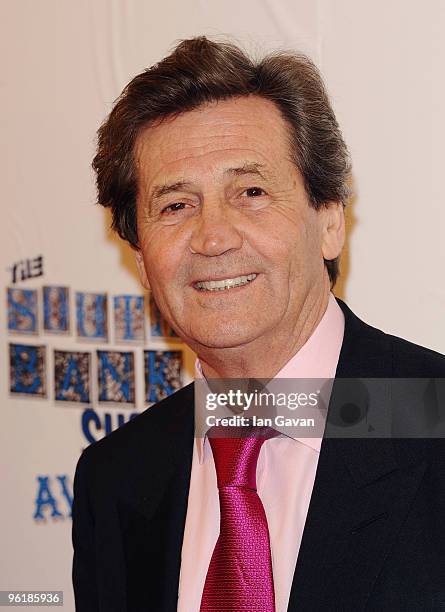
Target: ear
{"points": [[333, 237], [141, 269]]}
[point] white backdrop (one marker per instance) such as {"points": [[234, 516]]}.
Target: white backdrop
{"points": [[63, 64]]}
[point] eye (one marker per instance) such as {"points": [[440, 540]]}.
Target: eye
{"points": [[254, 192], [172, 208]]}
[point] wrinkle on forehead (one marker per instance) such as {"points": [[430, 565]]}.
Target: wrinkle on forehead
{"points": [[223, 119], [217, 135]]}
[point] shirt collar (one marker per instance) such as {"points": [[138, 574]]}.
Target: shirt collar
{"points": [[317, 358]]}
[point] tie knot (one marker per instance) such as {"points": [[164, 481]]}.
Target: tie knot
{"points": [[236, 454]]}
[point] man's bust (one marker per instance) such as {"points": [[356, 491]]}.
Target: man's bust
{"points": [[229, 179]]}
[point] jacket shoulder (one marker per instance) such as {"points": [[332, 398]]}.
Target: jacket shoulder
{"points": [[411, 359], [148, 433], [371, 352]]}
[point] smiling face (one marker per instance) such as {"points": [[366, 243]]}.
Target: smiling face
{"points": [[229, 244]]}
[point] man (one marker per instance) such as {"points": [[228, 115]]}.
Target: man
{"points": [[229, 179]]}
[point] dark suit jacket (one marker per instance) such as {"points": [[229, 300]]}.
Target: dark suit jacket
{"points": [[374, 538]]}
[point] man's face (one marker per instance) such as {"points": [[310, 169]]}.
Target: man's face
{"points": [[219, 199]]}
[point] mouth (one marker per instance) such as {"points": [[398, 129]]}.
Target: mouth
{"points": [[225, 284]]}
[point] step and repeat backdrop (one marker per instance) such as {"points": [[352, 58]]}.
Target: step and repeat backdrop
{"points": [[83, 349]]}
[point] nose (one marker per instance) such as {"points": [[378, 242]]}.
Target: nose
{"points": [[215, 232]]}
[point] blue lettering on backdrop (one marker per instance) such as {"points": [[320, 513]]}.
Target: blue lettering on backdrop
{"points": [[91, 313], [93, 423], [118, 366], [73, 380], [89, 418], [131, 313], [65, 492], [49, 498], [158, 383], [53, 496], [156, 320], [55, 309], [25, 361], [22, 310]]}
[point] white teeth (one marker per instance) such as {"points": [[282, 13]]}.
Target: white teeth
{"points": [[220, 285]]}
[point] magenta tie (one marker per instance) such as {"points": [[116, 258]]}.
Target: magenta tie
{"points": [[239, 578]]}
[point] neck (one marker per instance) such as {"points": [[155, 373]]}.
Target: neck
{"points": [[265, 356]]}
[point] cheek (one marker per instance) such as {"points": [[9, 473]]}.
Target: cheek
{"points": [[164, 263], [160, 271], [282, 244], [296, 251]]}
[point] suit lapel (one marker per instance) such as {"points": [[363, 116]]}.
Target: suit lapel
{"points": [[362, 492]]}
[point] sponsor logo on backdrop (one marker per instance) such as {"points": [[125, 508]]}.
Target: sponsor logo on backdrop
{"points": [[91, 375], [81, 372]]}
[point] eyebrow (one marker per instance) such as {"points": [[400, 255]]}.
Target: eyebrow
{"points": [[247, 168], [166, 188]]}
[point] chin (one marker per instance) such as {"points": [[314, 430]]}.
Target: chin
{"points": [[222, 336]]}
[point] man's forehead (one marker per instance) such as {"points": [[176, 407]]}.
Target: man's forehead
{"points": [[249, 122]]}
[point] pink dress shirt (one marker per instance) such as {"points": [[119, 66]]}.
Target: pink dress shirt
{"points": [[285, 478]]}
